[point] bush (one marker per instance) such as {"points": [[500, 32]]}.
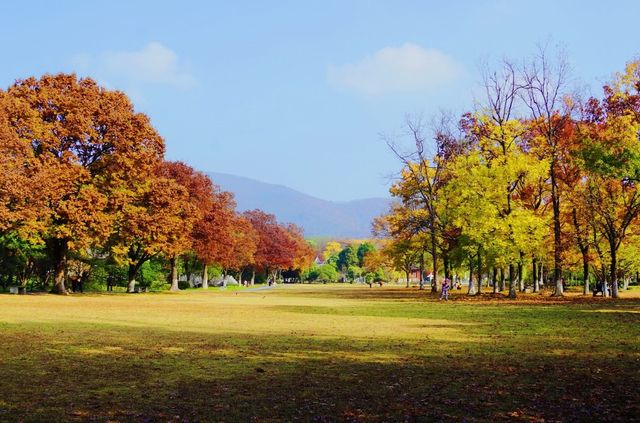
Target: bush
{"points": [[152, 275]]}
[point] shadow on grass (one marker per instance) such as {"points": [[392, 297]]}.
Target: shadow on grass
{"points": [[110, 373]]}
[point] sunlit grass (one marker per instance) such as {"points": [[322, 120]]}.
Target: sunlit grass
{"points": [[316, 353]]}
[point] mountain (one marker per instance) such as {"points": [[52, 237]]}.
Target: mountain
{"points": [[318, 217]]}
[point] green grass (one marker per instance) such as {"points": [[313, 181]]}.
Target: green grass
{"points": [[317, 353]]}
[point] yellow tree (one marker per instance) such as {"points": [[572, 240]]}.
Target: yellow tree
{"points": [[402, 229], [501, 171], [331, 250]]}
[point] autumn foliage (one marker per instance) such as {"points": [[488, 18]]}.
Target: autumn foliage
{"points": [[536, 187], [84, 176]]}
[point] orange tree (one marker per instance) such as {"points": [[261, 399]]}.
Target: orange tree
{"points": [[90, 150], [200, 193], [213, 233]]}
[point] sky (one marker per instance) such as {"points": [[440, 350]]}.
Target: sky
{"points": [[301, 93]]}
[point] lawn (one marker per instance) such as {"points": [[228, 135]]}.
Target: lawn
{"points": [[319, 354]]}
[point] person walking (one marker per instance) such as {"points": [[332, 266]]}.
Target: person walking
{"points": [[446, 284]]}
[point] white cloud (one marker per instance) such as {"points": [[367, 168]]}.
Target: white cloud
{"points": [[396, 70], [154, 63]]}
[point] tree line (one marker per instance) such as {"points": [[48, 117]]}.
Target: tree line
{"points": [[538, 183], [84, 181]]}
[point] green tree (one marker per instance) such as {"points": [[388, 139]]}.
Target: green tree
{"points": [[346, 258], [364, 249]]}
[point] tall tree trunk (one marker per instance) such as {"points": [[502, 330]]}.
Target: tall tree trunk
{"points": [[585, 272], [422, 270], [557, 241], [520, 274], [174, 273], [626, 283], [470, 289], [603, 271], [407, 274], [541, 276], [253, 276], [205, 277], [512, 285], [434, 257], [534, 274], [479, 272], [495, 280], [501, 287], [446, 264], [614, 269]]}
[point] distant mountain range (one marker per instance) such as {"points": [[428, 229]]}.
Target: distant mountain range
{"points": [[318, 218]]}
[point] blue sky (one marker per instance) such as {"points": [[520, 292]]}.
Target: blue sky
{"points": [[298, 92]]}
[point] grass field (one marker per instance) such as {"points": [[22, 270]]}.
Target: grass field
{"points": [[317, 353]]}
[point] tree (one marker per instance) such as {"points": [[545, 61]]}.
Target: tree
{"points": [[213, 235], [544, 83], [243, 245], [346, 258], [418, 188], [331, 251], [90, 150], [363, 250], [201, 194], [610, 154], [305, 253], [277, 244], [22, 203], [153, 223]]}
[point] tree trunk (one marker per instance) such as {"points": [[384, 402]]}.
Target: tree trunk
{"points": [[407, 273], [253, 276], [59, 286], [422, 270], [131, 277], [434, 257], [470, 290], [541, 276], [512, 285], [479, 272], [520, 274], [501, 287], [614, 270], [446, 265], [205, 277], [585, 272], [174, 274], [534, 275], [60, 249], [557, 241], [626, 283], [59, 278], [495, 280]]}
